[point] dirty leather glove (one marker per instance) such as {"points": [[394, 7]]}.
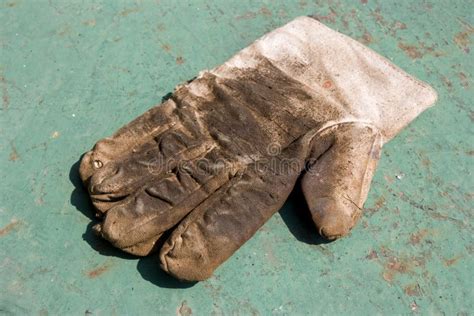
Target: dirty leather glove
{"points": [[212, 163]]}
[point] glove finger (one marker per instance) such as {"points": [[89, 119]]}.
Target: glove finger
{"points": [[151, 124], [161, 204], [337, 182], [220, 225], [120, 178], [141, 151]]}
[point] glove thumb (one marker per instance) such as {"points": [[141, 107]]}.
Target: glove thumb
{"points": [[337, 180]]}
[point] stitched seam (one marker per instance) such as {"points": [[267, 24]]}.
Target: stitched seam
{"points": [[377, 142], [332, 124]]}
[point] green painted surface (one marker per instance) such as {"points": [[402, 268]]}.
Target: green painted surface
{"points": [[72, 72]]}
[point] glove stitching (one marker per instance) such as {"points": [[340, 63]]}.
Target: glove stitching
{"points": [[377, 142]]}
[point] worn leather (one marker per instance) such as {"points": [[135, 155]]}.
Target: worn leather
{"points": [[211, 164]]}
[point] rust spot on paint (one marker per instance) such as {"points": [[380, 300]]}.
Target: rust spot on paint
{"points": [[265, 11], [9, 227], [412, 51], [417, 237], [393, 27], [377, 14], [5, 96], [329, 18], [98, 271], [400, 25], [380, 202], [14, 156], [447, 83], [366, 38], [413, 290], [450, 262], [464, 80], [431, 50], [372, 255], [419, 50], [395, 265], [363, 1], [166, 47], [179, 60], [463, 38]]}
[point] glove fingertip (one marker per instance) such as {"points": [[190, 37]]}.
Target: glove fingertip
{"points": [[182, 262], [334, 219]]}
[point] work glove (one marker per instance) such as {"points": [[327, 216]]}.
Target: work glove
{"points": [[208, 167]]}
